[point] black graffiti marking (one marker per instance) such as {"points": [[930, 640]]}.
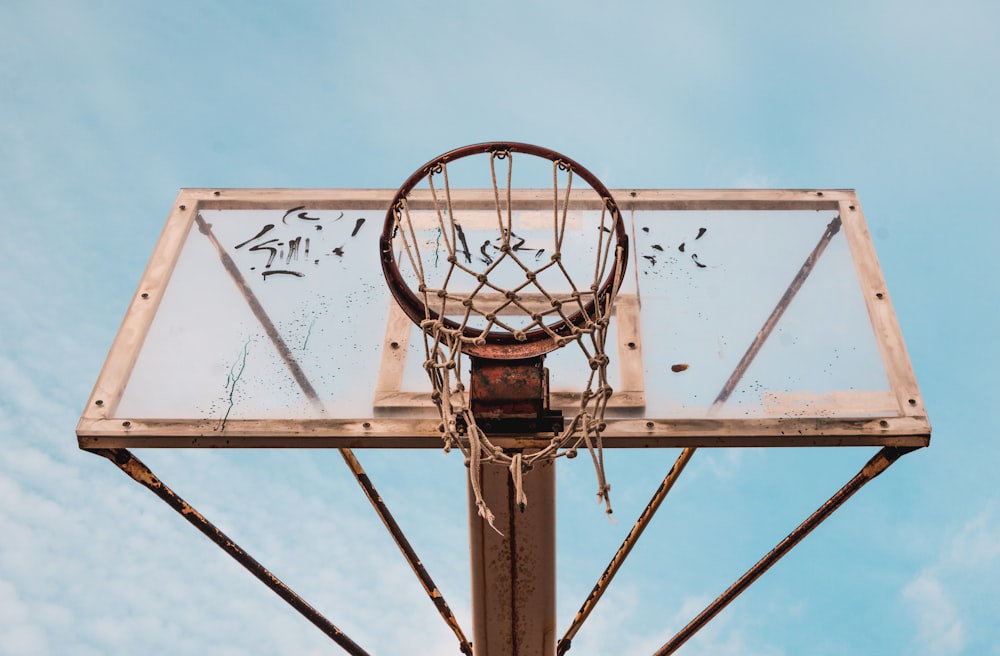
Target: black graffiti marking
{"points": [[645, 228], [285, 272], [293, 249], [266, 229], [465, 244], [357, 226], [657, 247], [651, 259], [519, 244], [487, 260], [302, 215], [694, 258], [294, 209], [273, 252], [539, 252], [701, 231], [339, 251], [681, 247]]}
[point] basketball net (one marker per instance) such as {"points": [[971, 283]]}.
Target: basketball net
{"points": [[479, 309]]}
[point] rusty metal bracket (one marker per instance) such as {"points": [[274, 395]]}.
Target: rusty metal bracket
{"points": [[140, 473]]}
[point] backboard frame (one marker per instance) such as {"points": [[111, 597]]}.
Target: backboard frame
{"points": [[102, 427]]}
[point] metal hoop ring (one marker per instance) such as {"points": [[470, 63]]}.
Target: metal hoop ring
{"points": [[501, 345]]}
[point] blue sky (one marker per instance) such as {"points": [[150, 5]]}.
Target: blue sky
{"points": [[107, 109]]}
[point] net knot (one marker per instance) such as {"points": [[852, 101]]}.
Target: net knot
{"points": [[599, 361]]}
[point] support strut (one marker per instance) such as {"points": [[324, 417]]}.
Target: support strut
{"points": [[140, 473], [878, 464]]}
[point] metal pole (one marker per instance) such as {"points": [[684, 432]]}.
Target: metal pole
{"points": [[513, 575]]}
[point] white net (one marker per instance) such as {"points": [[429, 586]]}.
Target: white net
{"points": [[494, 277]]}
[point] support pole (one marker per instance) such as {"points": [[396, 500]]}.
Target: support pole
{"points": [[513, 575]]}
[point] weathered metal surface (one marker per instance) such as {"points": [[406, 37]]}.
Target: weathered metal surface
{"points": [[508, 388], [514, 574], [511, 397]]}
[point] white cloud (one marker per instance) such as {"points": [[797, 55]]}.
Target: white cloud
{"points": [[938, 625], [953, 601]]}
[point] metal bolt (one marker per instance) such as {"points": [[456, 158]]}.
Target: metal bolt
{"points": [[883, 424]]}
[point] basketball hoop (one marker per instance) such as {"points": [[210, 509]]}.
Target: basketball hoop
{"points": [[485, 274]]}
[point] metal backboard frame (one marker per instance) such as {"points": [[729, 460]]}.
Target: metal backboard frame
{"points": [[131, 404]]}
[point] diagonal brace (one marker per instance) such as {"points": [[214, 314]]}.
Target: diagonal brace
{"points": [[878, 464], [630, 541], [140, 473]]}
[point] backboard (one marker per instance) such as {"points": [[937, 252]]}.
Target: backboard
{"points": [[746, 318]]}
